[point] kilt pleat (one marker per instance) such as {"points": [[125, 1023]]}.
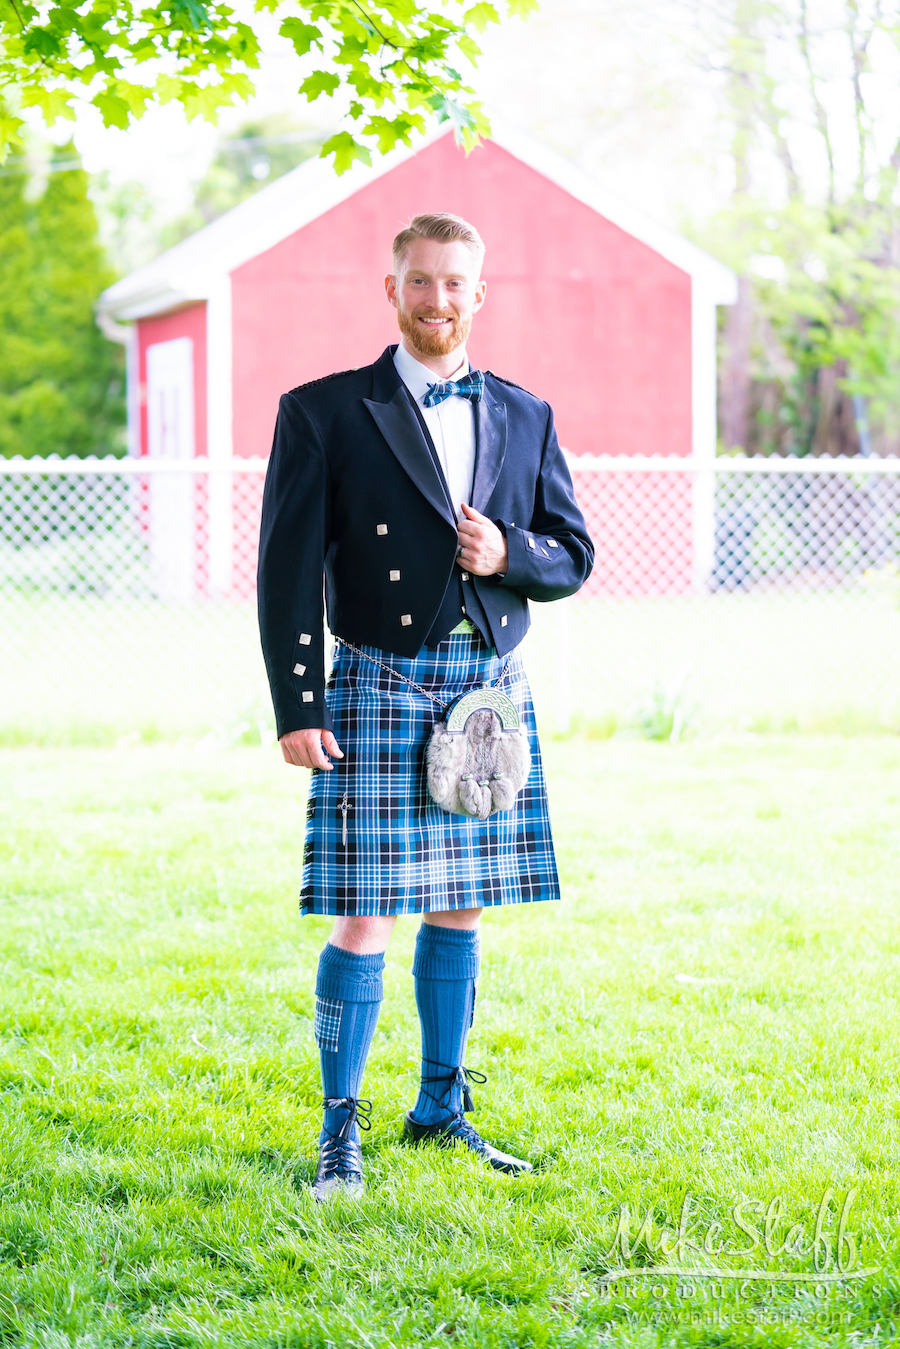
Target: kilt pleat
{"points": [[376, 844]]}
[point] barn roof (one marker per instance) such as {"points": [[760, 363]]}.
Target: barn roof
{"points": [[193, 269]]}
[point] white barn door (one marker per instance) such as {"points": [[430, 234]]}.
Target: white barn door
{"points": [[170, 435]]}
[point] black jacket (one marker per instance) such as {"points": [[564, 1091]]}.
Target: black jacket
{"points": [[353, 490]]}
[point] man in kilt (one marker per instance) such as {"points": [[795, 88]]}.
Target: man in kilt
{"points": [[435, 501]]}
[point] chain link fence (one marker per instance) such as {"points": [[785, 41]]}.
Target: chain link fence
{"points": [[755, 594]]}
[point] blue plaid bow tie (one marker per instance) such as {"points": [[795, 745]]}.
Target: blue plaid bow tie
{"points": [[471, 386]]}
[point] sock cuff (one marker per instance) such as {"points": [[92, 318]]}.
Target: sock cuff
{"points": [[350, 977], [447, 953]]}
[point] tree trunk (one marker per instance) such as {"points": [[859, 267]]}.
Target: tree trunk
{"points": [[836, 431], [736, 371]]}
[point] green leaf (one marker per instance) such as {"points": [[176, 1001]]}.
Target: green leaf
{"points": [[302, 36], [113, 109], [391, 131], [43, 42], [320, 82], [480, 15], [53, 103], [188, 13], [11, 129], [346, 151]]}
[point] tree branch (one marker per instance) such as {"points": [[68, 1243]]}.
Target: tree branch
{"points": [[821, 117]]}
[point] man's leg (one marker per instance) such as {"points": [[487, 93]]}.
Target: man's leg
{"points": [[445, 968], [349, 989]]}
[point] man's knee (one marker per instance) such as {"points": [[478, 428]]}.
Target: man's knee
{"points": [[364, 936], [460, 918]]}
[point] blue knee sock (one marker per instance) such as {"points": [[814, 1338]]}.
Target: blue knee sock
{"points": [[445, 968], [349, 989]]}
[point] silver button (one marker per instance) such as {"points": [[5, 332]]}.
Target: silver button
{"points": [[304, 639], [307, 695], [530, 542], [465, 576], [381, 529], [405, 620], [551, 543], [394, 575], [300, 669], [503, 621]]}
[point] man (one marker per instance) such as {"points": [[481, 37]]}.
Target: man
{"points": [[436, 501]]}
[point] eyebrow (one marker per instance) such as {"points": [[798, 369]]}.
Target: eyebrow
{"points": [[448, 276]]}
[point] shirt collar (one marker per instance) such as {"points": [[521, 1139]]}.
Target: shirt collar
{"points": [[416, 376]]}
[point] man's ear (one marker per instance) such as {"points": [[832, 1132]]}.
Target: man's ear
{"points": [[390, 290]]}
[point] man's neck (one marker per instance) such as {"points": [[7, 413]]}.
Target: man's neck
{"points": [[444, 367]]}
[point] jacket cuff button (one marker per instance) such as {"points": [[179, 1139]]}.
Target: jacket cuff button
{"points": [[299, 669], [405, 620], [304, 639], [308, 695]]}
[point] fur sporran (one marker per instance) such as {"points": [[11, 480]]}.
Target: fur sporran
{"points": [[478, 760]]}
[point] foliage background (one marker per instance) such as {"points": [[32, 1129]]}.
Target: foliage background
{"points": [[61, 380]]}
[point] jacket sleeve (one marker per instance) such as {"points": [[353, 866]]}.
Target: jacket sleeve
{"points": [[554, 556], [293, 539]]}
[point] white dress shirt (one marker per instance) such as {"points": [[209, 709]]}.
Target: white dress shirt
{"points": [[451, 424]]}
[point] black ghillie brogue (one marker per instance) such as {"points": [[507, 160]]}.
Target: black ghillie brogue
{"points": [[455, 1128], [340, 1156]]}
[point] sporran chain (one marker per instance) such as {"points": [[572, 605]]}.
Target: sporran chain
{"points": [[445, 707]]}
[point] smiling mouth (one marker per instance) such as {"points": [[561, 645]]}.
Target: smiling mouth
{"points": [[433, 322]]}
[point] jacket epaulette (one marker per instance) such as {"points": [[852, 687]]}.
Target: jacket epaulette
{"points": [[324, 379], [512, 384]]}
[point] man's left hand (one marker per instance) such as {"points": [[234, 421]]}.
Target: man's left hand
{"points": [[482, 546]]}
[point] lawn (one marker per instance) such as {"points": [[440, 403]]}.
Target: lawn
{"points": [[705, 1031]]}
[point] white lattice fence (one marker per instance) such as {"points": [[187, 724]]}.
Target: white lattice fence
{"points": [[756, 593]]}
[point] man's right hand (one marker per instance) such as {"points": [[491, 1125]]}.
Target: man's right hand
{"points": [[307, 749]]}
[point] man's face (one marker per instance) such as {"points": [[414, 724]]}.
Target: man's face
{"points": [[435, 293]]}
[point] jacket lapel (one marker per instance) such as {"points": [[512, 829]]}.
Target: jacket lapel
{"points": [[491, 421], [394, 415]]}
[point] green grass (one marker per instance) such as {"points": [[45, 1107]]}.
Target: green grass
{"points": [[712, 1011]]}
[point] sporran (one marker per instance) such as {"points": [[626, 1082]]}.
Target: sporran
{"points": [[478, 758]]}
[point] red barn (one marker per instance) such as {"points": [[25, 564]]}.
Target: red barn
{"points": [[609, 317]]}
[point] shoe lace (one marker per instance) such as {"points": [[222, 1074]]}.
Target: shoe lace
{"points": [[466, 1133], [341, 1150], [455, 1076]]}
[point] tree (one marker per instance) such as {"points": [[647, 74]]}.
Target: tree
{"points": [[61, 381], [811, 350], [394, 61]]}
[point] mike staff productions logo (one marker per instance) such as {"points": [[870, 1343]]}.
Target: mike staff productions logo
{"points": [[756, 1267]]}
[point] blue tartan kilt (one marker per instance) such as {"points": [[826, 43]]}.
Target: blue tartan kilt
{"points": [[376, 843]]}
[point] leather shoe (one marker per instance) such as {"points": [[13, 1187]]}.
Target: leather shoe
{"points": [[340, 1166], [455, 1128]]}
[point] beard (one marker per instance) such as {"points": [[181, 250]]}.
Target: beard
{"points": [[439, 343]]}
